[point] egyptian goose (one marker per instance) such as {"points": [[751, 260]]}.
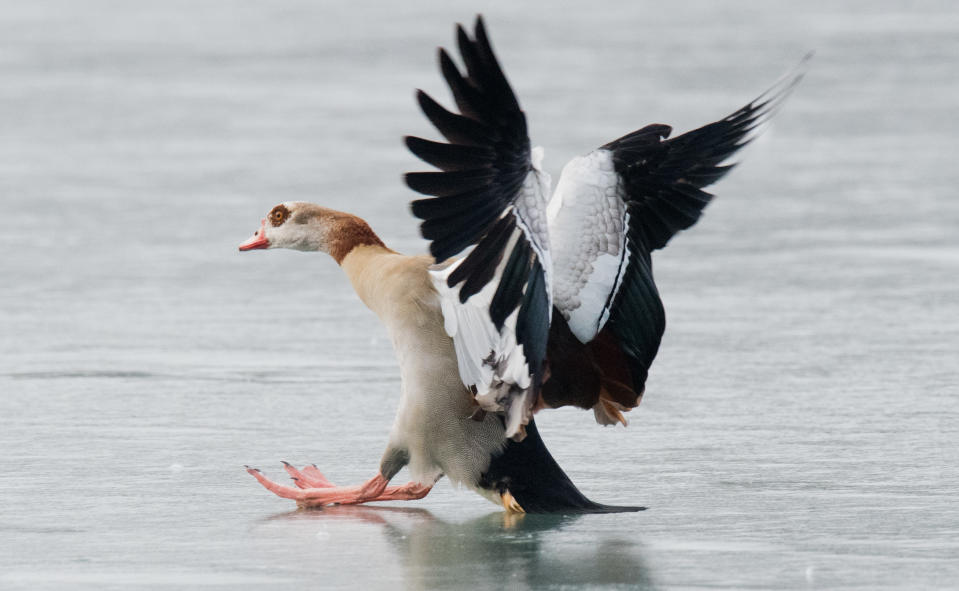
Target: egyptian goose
{"points": [[554, 304]]}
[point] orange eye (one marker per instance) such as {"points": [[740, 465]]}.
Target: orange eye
{"points": [[279, 215]]}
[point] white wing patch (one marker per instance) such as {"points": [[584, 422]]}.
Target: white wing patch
{"points": [[587, 226], [491, 364]]}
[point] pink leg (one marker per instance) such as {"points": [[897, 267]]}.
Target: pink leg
{"points": [[374, 489], [410, 491]]}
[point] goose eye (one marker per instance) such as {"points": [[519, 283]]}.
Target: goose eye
{"points": [[279, 215]]}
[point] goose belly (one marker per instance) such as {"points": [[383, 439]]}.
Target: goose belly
{"points": [[434, 422]]}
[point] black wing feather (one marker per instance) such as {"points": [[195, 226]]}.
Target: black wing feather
{"points": [[477, 271], [663, 181], [467, 97], [659, 174], [532, 324], [510, 288], [455, 128], [482, 173], [487, 158], [450, 156], [444, 184], [444, 226], [453, 206]]}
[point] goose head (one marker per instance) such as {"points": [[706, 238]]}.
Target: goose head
{"points": [[298, 225]]}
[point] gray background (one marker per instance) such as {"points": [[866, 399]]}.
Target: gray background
{"points": [[800, 426]]}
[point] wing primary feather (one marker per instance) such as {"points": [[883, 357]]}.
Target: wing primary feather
{"points": [[480, 219], [450, 156], [510, 288], [670, 218], [468, 99], [642, 138], [689, 208], [444, 184], [694, 193], [455, 128], [504, 96], [705, 176], [452, 243], [467, 204], [478, 268], [470, 58]]}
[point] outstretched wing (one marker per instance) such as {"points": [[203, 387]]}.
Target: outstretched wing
{"points": [[488, 194], [611, 209]]}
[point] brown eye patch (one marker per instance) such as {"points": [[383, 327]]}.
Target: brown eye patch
{"points": [[279, 215]]}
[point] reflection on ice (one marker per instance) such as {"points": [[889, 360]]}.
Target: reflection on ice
{"points": [[495, 550]]}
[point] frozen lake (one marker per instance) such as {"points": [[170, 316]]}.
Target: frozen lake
{"points": [[801, 424]]}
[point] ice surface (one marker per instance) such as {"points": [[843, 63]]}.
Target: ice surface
{"points": [[801, 425]]}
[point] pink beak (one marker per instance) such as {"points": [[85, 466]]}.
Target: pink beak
{"points": [[258, 240]]}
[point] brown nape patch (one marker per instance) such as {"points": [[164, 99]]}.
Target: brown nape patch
{"points": [[346, 232], [278, 215], [582, 375]]}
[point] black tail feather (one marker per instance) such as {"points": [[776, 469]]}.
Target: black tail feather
{"points": [[530, 474]]}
